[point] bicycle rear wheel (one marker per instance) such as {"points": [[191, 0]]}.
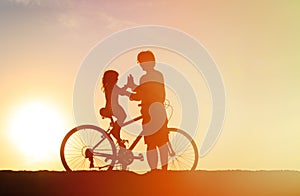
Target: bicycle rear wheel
{"points": [[183, 152], [87, 147]]}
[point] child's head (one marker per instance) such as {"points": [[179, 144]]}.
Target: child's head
{"points": [[110, 78]]}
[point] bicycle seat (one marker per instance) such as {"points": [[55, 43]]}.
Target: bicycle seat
{"points": [[105, 113]]}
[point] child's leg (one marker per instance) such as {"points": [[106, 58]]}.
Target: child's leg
{"points": [[121, 116], [116, 131]]}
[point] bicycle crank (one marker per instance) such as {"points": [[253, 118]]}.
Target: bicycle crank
{"points": [[125, 156]]}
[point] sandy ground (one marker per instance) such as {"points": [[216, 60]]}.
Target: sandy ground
{"points": [[231, 183]]}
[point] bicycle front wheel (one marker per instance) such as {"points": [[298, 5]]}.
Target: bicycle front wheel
{"points": [[87, 147], [183, 152]]}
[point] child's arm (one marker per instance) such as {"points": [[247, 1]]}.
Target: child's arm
{"points": [[123, 91], [132, 96]]}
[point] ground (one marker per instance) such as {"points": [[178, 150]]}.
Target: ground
{"points": [[231, 183]]}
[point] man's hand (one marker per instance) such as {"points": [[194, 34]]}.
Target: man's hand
{"points": [[130, 82]]}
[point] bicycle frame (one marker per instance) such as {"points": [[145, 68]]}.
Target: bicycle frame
{"points": [[138, 138], [135, 142]]}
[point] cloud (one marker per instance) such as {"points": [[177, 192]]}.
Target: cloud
{"points": [[75, 17], [27, 2], [40, 3], [88, 18], [114, 23]]}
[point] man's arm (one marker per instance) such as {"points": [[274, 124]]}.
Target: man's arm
{"points": [[130, 82], [136, 95]]}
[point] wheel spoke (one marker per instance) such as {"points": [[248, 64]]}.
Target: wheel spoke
{"points": [[80, 141], [185, 151]]}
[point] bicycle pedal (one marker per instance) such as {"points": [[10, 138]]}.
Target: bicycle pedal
{"points": [[141, 157]]}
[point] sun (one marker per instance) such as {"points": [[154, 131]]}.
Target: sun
{"points": [[36, 129]]}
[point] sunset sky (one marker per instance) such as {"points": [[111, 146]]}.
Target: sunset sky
{"points": [[255, 44]]}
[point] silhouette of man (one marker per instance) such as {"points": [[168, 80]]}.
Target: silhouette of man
{"points": [[151, 93]]}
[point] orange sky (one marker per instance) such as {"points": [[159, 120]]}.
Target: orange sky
{"points": [[254, 44]]}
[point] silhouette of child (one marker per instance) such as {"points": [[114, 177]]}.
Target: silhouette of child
{"points": [[112, 107]]}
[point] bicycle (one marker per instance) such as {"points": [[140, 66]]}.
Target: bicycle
{"points": [[89, 147]]}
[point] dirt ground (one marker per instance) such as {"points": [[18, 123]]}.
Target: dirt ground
{"points": [[231, 183]]}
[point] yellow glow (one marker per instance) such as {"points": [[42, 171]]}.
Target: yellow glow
{"points": [[36, 129]]}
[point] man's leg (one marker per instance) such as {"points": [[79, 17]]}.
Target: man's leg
{"points": [[163, 151], [152, 156]]}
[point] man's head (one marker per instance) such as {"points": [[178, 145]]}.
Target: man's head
{"points": [[146, 59]]}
